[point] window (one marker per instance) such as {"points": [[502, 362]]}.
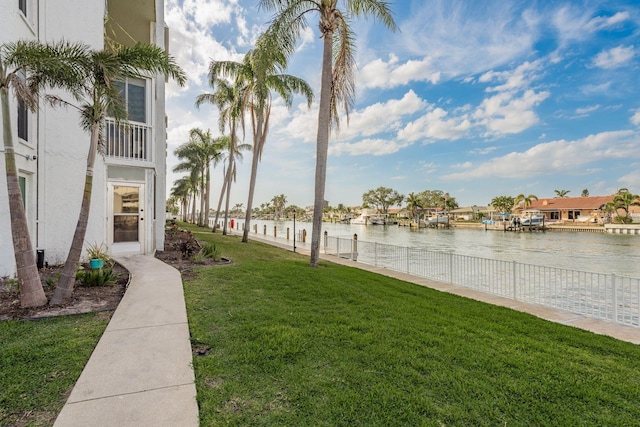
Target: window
{"points": [[554, 215], [23, 190], [23, 121], [134, 93], [574, 214], [22, 5]]}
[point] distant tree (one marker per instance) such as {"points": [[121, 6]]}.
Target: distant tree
{"points": [[525, 200], [279, 203], [624, 200], [585, 193], [562, 193], [414, 204], [503, 203], [448, 202], [431, 198], [382, 198]]}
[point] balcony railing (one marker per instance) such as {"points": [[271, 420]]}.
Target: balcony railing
{"points": [[127, 140]]}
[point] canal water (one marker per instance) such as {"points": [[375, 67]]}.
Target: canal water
{"points": [[593, 252]]}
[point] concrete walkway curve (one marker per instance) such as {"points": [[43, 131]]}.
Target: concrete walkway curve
{"points": [[140, 373]]}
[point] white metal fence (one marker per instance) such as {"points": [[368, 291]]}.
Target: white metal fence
{"points": [[597, 295]]}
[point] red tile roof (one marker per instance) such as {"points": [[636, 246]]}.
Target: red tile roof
{"points": [[577, 203]]}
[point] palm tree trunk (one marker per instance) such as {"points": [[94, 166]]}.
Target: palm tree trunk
{"points": [[222, 193], [206, 200], [322, 146], [229, 178], [68, 277], [193, 208], [257, 144], [31, 292]]}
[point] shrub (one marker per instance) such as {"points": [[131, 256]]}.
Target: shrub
{"points": [[187, 244], [96, 251], [96, 277], [209, 250]]}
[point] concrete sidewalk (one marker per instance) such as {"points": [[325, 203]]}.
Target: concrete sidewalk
{"points": [[612, 329], [140, 373]]}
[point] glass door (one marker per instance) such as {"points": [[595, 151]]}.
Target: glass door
{"points": [[127, 217]]}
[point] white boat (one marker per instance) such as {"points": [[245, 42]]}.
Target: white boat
{"points": [[368, 218], [436, 219], [531, 218]]}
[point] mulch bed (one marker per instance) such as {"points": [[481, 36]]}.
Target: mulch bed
{"points": [[83, 300], [102, 298]]}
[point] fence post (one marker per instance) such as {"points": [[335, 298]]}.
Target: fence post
{"points": [[451, 268], [407, 250], [287, 233], [354, 248], [515, 280], [326, 240], [615, 297], [304, 236], [255, 228], [265, 230]]}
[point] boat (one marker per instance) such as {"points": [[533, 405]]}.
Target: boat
{"points": [[367, 218], [532, 218], [436, 219]]}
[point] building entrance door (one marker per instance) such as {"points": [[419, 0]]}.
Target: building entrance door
{"points": [[126, 228]]}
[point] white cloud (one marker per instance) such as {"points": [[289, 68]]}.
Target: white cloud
{"points": [[606, 22], [381, 74], [586, 110], [635, 119], [615, 57], [376, 147], [513, 79], [504, 113], [463, 39], [558, 157], [435, 125]]}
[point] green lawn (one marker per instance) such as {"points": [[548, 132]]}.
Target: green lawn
{"points": [[297, 346], [40, 361]]}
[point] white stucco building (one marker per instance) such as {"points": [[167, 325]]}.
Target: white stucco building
{"points": [[128, 201]]}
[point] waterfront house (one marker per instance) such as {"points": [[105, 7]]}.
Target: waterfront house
{"points": [[128, 203], [571, 209]]}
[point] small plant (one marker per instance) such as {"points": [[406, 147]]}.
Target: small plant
{"points": [[96, 277], [198, 258], [53, 281], [96, 251], [172, 228], [187, 244], [9, 283], [209, 250]]}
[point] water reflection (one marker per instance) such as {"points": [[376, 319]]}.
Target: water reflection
{"points": [[595, 252]]}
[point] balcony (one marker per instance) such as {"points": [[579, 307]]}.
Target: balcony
{"points": [[128, 141]]}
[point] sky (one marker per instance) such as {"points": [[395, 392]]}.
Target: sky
{"points": [[477, 99]]}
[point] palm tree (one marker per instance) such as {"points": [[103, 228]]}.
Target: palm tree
{"points": [[624, 199], [279, 203], [263, 67], [100, 95], [337, 78], [192, 162], [525, 200], [503, 203], [25, 67], [201, 150], [414, 204], [181, 190], [562, 193], [230, 100], [585, 193]]}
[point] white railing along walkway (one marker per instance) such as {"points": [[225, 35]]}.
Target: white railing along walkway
{"points": [[597, 295]]}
